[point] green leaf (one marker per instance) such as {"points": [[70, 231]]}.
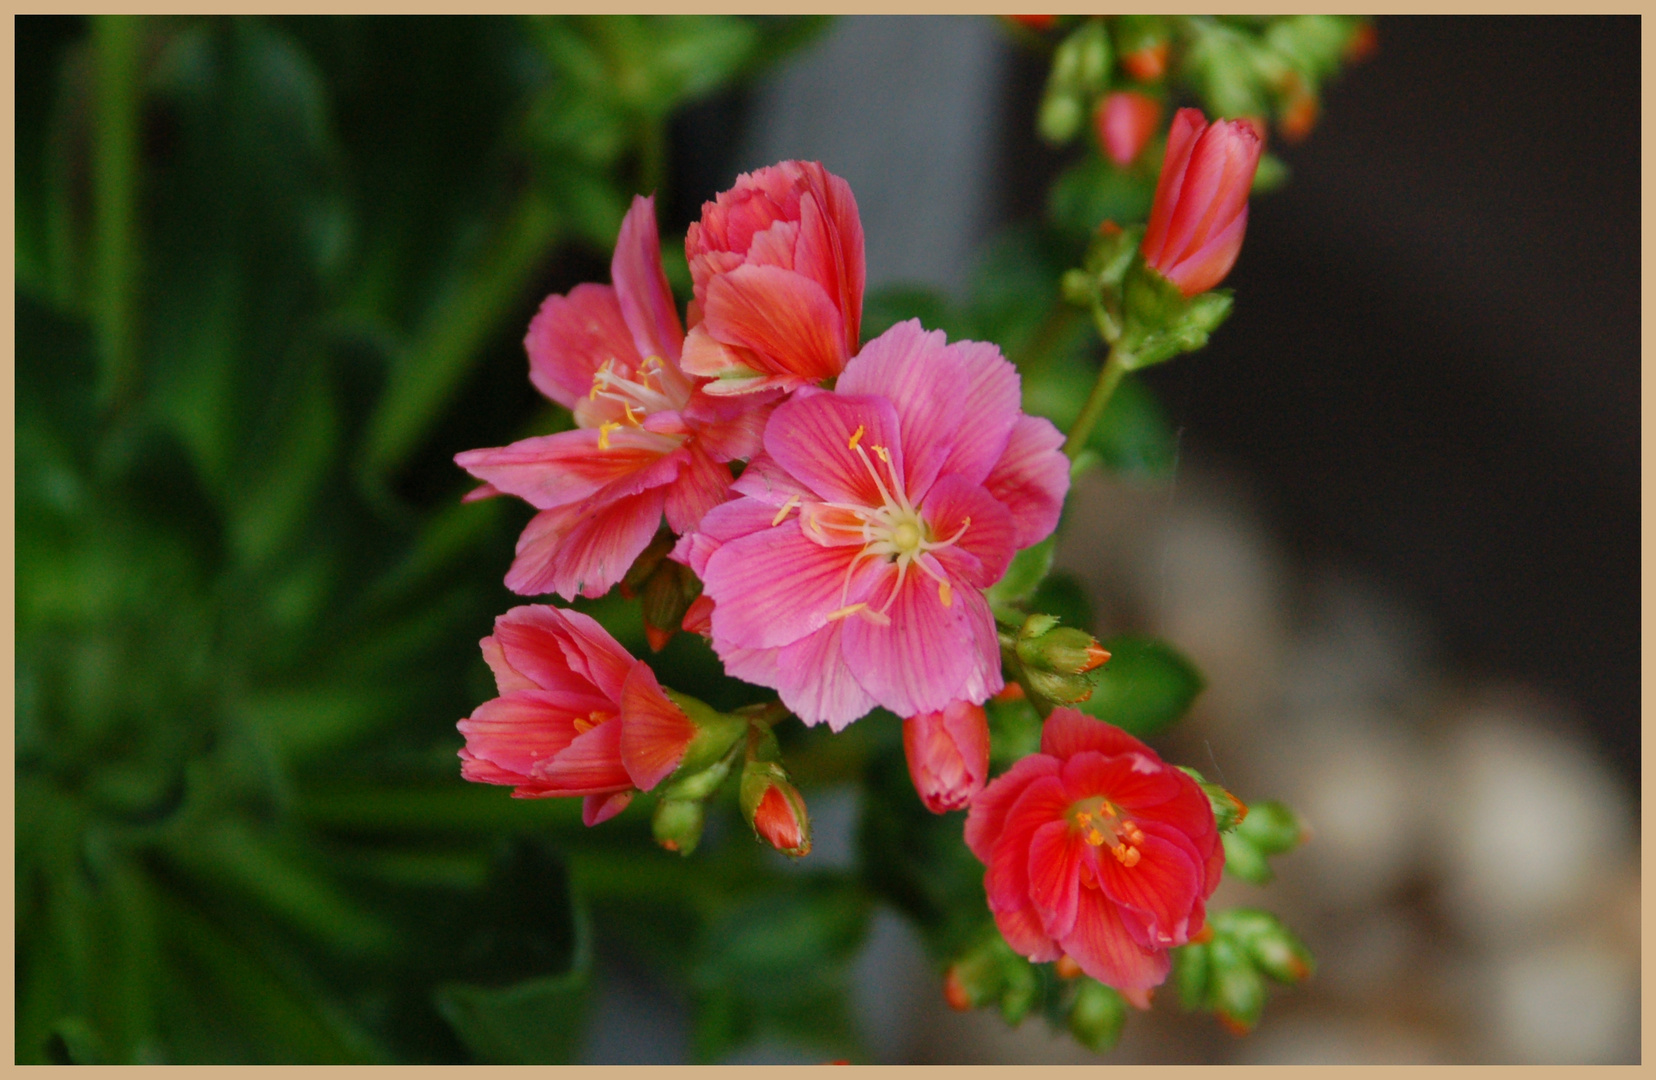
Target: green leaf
{"points": [[1026, 571], [885, 308], [1133, 436], [534, 1022], [1095, 191], [1145, 686], [1063, 595]]}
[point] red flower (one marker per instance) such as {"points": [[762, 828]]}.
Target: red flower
{"points": [[777, 265], [1099, 850], [948, 755], [1201, 207], [576, 715], [1125, 121]]}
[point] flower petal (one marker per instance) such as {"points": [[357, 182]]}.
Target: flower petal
{"points": [[593, 653], [785, 319], [815, 682], [1021, 927], [515, 731], [1031, 479], [1163, 884], [729, 427], [987, 817], [1042, 801], [589, 765], [1187, 125], [585, 548], [774, 587], [597, 809], [641, 287], [571, 336], [1055, 875], [555, 470], [1104, 949], [654, 731], [1068, 732], [959, 507], [829, 441], [923, 657], [701, 485]]}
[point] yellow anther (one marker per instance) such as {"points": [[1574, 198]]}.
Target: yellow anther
{"points": [[844, 611], [1094, 837], [631, 419], [856, 437], [604, 430], [1126, 856], [945, 594], [880, 452], [584, 724], [793, 501]]}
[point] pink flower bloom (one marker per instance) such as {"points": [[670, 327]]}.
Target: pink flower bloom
{"points": [[777, 263], [948, 755], [576, 715], [1201, 207], [1125, 121], [851, 570], [1099, 850], [647, 440]]}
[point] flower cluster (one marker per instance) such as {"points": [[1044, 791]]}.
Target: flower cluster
{"points": [[884, 488]]}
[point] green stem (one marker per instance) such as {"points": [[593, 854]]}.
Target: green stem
{"points": [[1108, 379], [115, 43]]}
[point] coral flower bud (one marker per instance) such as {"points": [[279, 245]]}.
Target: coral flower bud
{"points": [[948, 755], [1034, 22], [1148, 63], [1125, 120], [1299, 116], [1201, 206], [1362, 43], [779, 819], [954, 991]]}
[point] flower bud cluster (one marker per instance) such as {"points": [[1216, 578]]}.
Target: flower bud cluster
{"points": [[1225, 972]]}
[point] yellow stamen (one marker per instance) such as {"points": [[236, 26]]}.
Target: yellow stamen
{"points": [[880, 452], [584, 724], [856, 437], [945, 594], [604, 430], [844, 611], [1126, 856], [631, 419], [793, 501]]}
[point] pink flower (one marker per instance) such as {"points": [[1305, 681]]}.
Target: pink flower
{"points": [[576, 715], [948, 755], [1125, 121], [777, 263], [1098, 850], [1201, 207], [647, 439], [851, 570]]}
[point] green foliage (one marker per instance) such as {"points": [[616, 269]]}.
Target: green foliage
{"points": [[258, 262], [1226, 973], [1146, 685]]}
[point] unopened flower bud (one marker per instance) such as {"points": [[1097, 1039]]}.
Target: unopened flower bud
{"points": [[1096, 1016], [770, 802], [1092, 46], [698, 617], [1146, 64], [666, 596], [991, 973], [1060, 116], [1066, 967], [1237, 991], [1043, 645], [1362, 43], [1141, 42], [677, 824], [1272, 828], [948, 755], [1299, 115], [1191, 967], [1265, 941], [1034, 22], [1124, 121], [1201, 206]]}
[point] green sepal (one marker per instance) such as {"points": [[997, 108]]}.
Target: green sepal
{"points": [[1236, 990], [716, 733], [1160, 322], [677, 823], [1272, 828], [1244, 860], [1228, 810], [1273, 949], [1191, 966]]}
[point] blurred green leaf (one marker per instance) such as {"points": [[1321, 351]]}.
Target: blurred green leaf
{"points": [[1145, 686], [535, 1022], [1095, 191]]}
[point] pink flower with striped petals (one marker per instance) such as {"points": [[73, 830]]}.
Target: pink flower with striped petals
{"points": [[1097, 850], [648, 441], [577, 715], [850, 571]]}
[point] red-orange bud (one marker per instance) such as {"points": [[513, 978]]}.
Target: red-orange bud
{"points": [[1201, 206], [1299, 117], [1010, 692], [776, 821], [1124, 121], [1362, 43], [1066, 967], [1034, 22], [954, 991], [1233, 1025], [657, 637], [699, 618], [1097, 657], [1147, 64], [948, 755]]}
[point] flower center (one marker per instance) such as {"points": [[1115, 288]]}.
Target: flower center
{"points": [[1101, 823], [894, 529], [639, 393]]}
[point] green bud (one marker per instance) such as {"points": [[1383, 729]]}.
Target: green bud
{"points": [[1272, 828], [1190, 973], [698, 786], [1097, 1015], [677, 824], [1237, 992], [1043, 645], [1269, 944], [1080, 288], [1022, 989], [1244, 860], [1059, 689], [1228, 810], [1092, 49], [666, 595], [1060, 116]]}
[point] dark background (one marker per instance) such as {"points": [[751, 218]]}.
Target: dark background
{"points": [[1433, 369]]}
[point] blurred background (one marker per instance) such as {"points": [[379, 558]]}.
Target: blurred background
{"points": [[273, 274]]}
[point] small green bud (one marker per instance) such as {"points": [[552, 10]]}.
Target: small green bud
{"points": [[1237, 992], [1244, 860], [1269, 944], [677, 824], [1190, 973], [1097, 1015], [1060, 117], [1272, 828], [1092, 52], [1022, 990]]}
